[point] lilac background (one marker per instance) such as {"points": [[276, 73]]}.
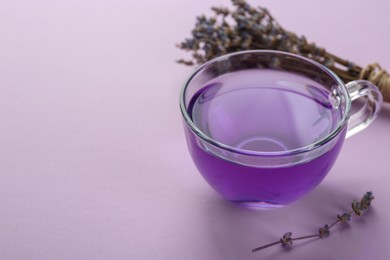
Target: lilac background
{"points": [[93, 158]]}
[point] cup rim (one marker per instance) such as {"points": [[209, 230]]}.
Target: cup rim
{"points": [[299, 150]]}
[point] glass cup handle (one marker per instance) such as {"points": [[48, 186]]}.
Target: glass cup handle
{"points": [[369, 94]]}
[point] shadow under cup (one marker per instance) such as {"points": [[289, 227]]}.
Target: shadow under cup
{"points": [[265, 127]]}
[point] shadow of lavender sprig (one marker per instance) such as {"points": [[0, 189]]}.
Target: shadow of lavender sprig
{"points": [[358, 209]]}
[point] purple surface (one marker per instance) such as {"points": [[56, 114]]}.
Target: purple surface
{"points": [[93, 160]]}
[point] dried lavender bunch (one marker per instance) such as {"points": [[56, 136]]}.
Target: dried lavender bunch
{"points": [[358, 208], [249, 28]]}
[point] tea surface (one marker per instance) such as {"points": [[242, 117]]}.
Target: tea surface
{"points": [[282, 112]]}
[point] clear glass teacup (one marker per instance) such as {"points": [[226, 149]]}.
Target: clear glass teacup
{"points": [[265, 127]]}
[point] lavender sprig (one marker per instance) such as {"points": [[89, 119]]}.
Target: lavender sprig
{"points": [[358, 209]]}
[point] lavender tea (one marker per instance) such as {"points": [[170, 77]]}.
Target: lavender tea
{"points": [[264, 127], [283, 112]]}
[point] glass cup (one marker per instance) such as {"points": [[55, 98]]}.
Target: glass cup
{"points": [[265, 127]]}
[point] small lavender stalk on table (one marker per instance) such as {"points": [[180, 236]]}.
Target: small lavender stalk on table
{"points": [[358, 208]]}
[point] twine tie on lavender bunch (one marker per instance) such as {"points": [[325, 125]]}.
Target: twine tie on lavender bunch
{"points": [[379, 77], [249, 28]]}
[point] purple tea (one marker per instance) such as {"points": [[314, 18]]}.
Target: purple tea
{"points": [[268, 112]]}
